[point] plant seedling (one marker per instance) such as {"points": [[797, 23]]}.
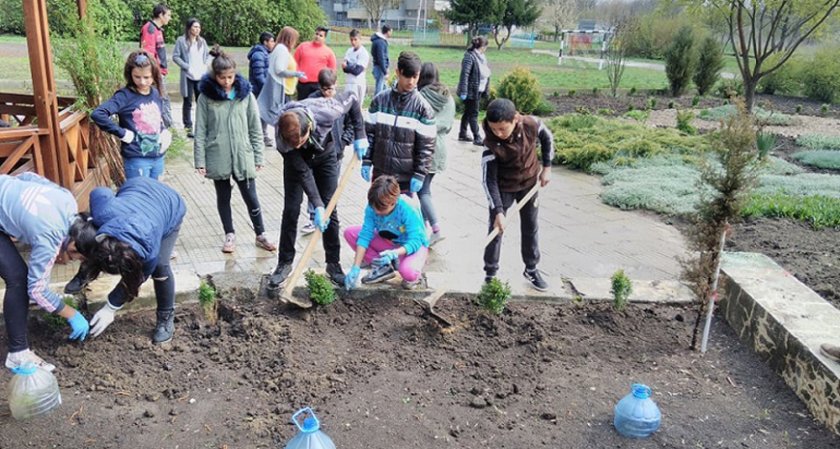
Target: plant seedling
{"points": [[207, 300], [632, 91], [56, 321], [695, 101], [684, 119], [321, 290], [621, 289], [494, 296]]}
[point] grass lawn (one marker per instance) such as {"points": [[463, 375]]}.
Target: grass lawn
{"points": [[551, 77]]}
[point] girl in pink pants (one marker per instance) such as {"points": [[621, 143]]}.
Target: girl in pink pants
{"points": [[392, 238]]}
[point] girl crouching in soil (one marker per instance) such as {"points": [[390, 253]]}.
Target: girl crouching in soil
{"points": [[392, 238], [136, 232]]}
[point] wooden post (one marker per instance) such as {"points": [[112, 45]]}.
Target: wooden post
{"points": [[56, 162]]}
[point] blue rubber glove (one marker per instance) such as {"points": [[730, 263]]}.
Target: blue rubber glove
{"points": [[352, 278], [360, 146], [366, 173], [416, 184], [463, 97], [79, 325], [320, 220], [386, 257]]}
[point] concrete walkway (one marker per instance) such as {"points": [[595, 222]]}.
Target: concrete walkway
{"points": [[581, 239]]}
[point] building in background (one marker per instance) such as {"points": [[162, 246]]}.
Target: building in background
{"points": [[408, 15]]}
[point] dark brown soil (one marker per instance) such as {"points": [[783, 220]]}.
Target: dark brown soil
{"points": [[382, 376]]}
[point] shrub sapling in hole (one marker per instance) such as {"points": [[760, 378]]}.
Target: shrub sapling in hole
{"points": [[621, 289], [207, 300], [494, 296], [321, 290]]}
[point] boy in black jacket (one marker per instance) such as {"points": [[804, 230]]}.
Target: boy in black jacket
{"points": [[510, 169]]}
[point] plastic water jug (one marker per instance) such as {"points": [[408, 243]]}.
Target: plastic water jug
{"points": [[636, 415], [310, 436], [33, 391]]}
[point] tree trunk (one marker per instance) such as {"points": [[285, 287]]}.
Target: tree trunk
{"points": [[749, 93]]}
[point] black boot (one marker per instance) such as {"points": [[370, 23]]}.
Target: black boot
{"points": [[80, 280], [165, 327], [336, 274]]}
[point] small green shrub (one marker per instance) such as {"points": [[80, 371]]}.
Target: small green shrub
{"points": [[824, 108], [651, 102], [207, 300], [680, 61], [605, 111], [321, 290], [544, 108], [630, 107], [709, 65], [765, 143], [494, 296], [817, 210], [632, 92], [521, 87], [684, 119], [638, 115], [584, 157], [829, 159], [819, 142], [787, 80], [672, 104], [822, 77], [799, 109], [728, 88], [56, 321], [595, 91], [762, 116], [582, 110], [773, 165], [620, 289], [571, 92]]}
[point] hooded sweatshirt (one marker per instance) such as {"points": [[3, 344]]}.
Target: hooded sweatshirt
{"points": [[444, 108], [39, 213]]}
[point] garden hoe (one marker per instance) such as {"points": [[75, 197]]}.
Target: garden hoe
{"points": [[286, 294], [428, 303]]}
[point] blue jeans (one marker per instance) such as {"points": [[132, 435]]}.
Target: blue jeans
{"points": [[379, 76], [426, 206], [143, 166]]}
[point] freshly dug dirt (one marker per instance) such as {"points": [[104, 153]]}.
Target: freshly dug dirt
{"points": [[381, 375]]}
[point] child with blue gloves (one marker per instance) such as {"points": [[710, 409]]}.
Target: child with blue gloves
{"points": [[43, 215], [401, 130], [310, 165], [392, 238]]}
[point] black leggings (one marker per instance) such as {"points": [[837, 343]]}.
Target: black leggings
{"points": [[470, 118], [248, 189], [192, 93], [13, 270]]}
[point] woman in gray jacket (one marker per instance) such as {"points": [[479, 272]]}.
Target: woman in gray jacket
{"points": [[191, 55]]}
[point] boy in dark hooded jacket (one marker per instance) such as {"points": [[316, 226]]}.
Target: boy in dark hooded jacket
{"points": [[258, 62]]}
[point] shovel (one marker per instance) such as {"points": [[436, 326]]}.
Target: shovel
{"points": [[286, 294], [428, 303]]}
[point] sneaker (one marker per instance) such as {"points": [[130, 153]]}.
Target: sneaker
{"points": [[190, 133], [16, 359], [828, 350], [279, 276], [165, 327], [263, 242], [435, 238], [380, 273], [230, 243], [536, 279], [77, 284], [464, 138], [478, 142], [336, 274], [268, 142], [421, 282], [308, 228], [174, 254]]}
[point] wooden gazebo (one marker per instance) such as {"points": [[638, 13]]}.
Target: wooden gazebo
{"points": [[48, 135]]}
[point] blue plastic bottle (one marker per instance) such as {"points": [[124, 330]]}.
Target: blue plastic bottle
{"points": [[636, 415], [310, 436]]}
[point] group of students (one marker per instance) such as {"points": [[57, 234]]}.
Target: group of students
{"points": [[401, 142]]}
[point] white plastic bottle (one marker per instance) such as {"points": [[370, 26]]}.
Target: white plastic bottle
{"points": [[33, 391]]}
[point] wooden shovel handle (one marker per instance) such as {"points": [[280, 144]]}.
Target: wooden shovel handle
{"points": [[510, 214], [316, 236]]}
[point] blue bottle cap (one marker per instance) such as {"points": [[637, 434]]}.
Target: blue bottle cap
{"points": [[641, 391], [310, 424]]}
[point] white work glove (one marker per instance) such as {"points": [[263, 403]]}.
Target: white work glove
{"points": [[103, 318], [128, 137], [165, 140]]}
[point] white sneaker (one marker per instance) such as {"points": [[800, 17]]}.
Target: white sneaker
{"points": [[16, 359], [308, 228], [435, 238]]}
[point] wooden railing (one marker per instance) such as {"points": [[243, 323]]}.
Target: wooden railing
{"points": [[24, 145]]}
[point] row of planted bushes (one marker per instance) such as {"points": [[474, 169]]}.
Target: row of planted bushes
{"points": [[659, 169], [816, 77], [228, 23]]}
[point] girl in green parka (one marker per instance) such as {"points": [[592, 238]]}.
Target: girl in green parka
{"points": [[229, 144], [444, 107]]}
